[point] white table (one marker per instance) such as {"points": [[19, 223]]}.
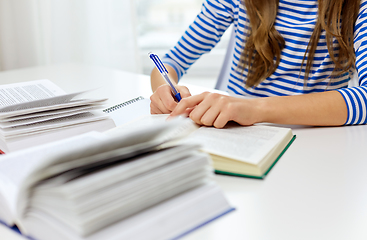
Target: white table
{"points": [[317, 190]]}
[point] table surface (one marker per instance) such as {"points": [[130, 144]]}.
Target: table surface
{"points": [[317, 190]]}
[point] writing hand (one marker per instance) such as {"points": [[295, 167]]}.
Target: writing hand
{"points": [[162, 100]]}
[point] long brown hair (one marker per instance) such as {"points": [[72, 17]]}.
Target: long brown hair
{"points": [[264, 43]]}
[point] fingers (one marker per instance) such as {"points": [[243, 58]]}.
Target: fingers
{"points": [[162, 100], [157, 106], [185, 103], [211, 112], [212, 109], [221, 120], [154, 109], [203, 109], [205, 115], [206, 109]]}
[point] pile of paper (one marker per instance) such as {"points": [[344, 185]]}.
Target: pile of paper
{"points": [[37, 107]]}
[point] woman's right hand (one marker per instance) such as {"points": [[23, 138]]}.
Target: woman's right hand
{"points": [[162, 100]]}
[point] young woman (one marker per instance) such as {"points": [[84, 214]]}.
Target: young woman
{"points": [[295, 56]]}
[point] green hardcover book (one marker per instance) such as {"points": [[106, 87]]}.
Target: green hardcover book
{"points": [[252, 175], [250, 151]]}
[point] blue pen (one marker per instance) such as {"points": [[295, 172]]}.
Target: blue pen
{"points": [[162, 69]]}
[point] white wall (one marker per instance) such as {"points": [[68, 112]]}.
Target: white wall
{"points": [[39, 32]]}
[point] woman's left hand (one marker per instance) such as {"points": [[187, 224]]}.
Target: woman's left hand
{"points": [[213, 109]]}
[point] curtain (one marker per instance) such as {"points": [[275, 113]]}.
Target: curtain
{"points": [[42, 32]]}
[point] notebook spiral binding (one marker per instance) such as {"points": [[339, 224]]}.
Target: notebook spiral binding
{"points": [[121, 105]]}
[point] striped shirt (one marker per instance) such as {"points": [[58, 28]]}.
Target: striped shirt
{"points": [[295, 21]]}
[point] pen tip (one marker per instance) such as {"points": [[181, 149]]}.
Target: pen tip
{"points": [[149, 53]]}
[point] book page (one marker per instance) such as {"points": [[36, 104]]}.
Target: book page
{"points": [[64, 172], [16, 167], [34, 94], [9, 234], [49, 106], [11, 94], [142, 121], [51, 113], [40, 119], [52, 124], [180, 215], [247, 144], [51, 101], [129, 194], [138, 141]]}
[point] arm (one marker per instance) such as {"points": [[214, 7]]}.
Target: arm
{"points": [[322, 109], [356, 97], [317, 109]]}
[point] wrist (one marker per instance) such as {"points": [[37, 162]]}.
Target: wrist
{"points": [[249, 111], [157, 80], [260, 109]]}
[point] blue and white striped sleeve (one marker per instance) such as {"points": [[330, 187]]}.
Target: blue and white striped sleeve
{"points": [[201, 36], [356, 97]]}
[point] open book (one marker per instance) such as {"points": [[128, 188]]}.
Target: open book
{"points": [[245, 151], [115, 185], [36, 112]]}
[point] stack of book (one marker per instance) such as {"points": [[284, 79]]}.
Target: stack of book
{"points": [[36, 112], [115, 185]]}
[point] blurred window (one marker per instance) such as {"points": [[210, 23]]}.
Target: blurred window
{"points": [[160, 23]]}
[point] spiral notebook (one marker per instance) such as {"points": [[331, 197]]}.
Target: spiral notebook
{"points": [[127, 111]]}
